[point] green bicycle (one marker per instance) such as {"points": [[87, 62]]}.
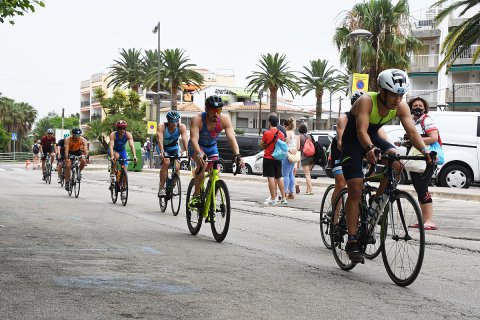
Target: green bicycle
{"points": [[215, 204]]}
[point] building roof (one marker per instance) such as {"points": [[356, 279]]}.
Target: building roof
{"points": [[185, 107], [266, 108]]}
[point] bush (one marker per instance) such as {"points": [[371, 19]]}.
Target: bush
{"points": [[239, 131]]}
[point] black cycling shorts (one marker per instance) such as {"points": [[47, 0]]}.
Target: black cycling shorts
{"points": [[353, 154]]}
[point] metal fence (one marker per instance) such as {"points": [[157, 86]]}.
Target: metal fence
{"points": [[17, 156]]}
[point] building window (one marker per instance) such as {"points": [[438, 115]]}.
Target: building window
{"points": [[186, 122], [242, 122]]}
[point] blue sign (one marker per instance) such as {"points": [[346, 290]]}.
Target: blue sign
{"points": [[14, 136], [360, 84]]}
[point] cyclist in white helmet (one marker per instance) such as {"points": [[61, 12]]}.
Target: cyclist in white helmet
{"points": [[360, 139]]}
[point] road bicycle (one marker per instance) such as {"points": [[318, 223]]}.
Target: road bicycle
{"points": [[214, 205], [120, 185], [173, 188], [62, 175], [402, 245], [326, 215], [75, 177], [48, 169]]}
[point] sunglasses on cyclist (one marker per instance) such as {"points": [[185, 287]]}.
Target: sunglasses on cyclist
{"points": [[76, 135], [215, 110]]}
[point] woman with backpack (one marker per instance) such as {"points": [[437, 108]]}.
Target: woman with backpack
{"points": [[307, 149], [35, 151]]}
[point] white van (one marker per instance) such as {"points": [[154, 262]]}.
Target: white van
{"points": [[460, 132]]}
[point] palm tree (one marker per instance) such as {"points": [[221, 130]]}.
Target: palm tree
{"points": [[318, 78], [391, 42], [274, 75], [128, 70], [150, 67], [176, 69], [459, 39]]}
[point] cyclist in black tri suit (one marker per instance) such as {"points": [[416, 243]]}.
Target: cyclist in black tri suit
{"points": [[360, 139]]}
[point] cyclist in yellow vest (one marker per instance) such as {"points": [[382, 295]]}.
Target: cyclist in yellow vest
{"points": [[360, 139]]}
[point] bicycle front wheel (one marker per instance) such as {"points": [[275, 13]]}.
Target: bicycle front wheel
{"points": [[339, 233], [176, 194], [162, 201], [62, 176], [76, 182], [48, 178], [194, 215], [114, 191], [72, 182], [124, 188], [220, 215], [403, 240], [326, 215]]}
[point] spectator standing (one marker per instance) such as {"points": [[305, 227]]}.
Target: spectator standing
{"points": [[429, 132], [287, 165], [272, 168], [147, 146], [306, 162], [36, 154]]}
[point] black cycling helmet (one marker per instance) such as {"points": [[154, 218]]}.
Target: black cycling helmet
{"points": [[355, 96], [76, 131], [173, 116], [214, 102]]}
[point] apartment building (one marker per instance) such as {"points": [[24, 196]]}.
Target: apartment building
{"points": [[90, 108], [457, 90]]}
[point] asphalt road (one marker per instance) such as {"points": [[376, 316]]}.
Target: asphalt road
{"points": [[86, 258]]}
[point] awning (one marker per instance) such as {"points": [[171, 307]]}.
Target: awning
{"points": [[422, 74], [469, 67], [242, 93], [225, 98], [463, 104]]}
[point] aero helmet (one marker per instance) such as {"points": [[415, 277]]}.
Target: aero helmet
{"points": [[394, 80], [355, 96], [121, 124], [214, 102], [76, 131], [50, 130], [173, 116]]}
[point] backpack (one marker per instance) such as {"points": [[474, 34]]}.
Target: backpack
{"points": [[36, 148], [308, 146], [281, 148], [320, 157], [148, 146]]}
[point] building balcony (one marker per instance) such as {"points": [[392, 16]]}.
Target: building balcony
{"points": [[84, 120], [463, 92], [466, 57], [429, 95], [84, 104], [424, 63]]}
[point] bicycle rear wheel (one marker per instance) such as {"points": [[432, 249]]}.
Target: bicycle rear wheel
{"points": [[176, 194], [373, 249], [76, 180], [326, 215], [220, 215], [403, 246], [339, 233], [194, 215], [124, 187]]}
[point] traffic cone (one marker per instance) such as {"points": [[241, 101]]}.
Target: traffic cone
{"points": [[27, 164]]}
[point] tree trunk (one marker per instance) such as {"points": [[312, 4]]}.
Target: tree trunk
{"points": [[318, 112], [174, 97], [273, 99]]}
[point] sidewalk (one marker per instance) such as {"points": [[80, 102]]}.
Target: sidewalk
{"points": [[440, 192]]}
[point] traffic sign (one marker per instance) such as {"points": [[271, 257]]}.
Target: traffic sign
{"points": [[360, 82], [151, 127], [14, 136]]}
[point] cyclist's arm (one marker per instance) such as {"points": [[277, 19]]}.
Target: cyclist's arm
{"points": [[41, 149], [131, 144], [160, 131], [195, 133], [85, 147], [405, 117], [67, 147], [111, 144], [227, 126], [183, 134], [341, 125]]}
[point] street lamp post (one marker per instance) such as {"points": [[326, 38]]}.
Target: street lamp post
{"points": [[156, 30], [359, 34], [260, 95]]}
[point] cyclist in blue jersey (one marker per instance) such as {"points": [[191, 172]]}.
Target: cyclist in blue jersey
{"points": [[118, 140], [168, 134], [360, 138], [204, 131]]}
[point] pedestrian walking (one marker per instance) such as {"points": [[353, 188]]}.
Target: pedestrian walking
{"points": [[289, 163], [307, 157], [272, 168]]}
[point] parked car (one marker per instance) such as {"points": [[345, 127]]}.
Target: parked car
{"points": [[249, 167], [249, 145]]}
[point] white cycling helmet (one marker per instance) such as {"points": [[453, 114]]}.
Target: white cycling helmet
{"points": [[394, 80]]}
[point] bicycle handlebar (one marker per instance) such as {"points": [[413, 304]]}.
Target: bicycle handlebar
{"points": [[396, 157]]}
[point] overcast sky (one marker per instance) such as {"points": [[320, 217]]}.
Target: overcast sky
{"points": [[45, 55]]}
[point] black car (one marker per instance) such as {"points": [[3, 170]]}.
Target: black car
{"points": [[249, 145]]}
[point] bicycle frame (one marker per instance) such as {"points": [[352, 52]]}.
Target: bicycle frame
{"points": [[212, 177]]}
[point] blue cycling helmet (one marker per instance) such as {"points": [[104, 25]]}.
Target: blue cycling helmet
{"points": [[173, 116]]}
